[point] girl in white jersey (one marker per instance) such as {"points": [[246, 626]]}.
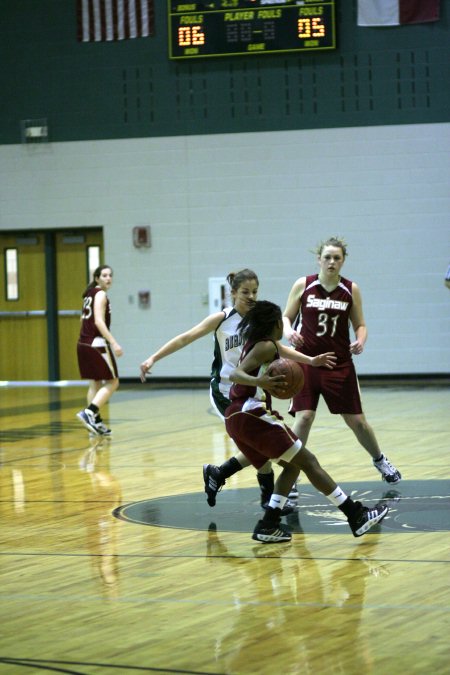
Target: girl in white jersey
{"points": [[227, 351]]}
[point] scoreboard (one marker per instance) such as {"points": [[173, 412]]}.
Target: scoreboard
{"points": [[242, 27]]}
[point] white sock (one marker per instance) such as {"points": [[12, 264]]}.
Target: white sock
{"points": [[337, 497], [277, 501]]}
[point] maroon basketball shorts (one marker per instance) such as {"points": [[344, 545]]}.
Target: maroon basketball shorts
{"points": [[259, 435], [339, 388], [96, 363]]}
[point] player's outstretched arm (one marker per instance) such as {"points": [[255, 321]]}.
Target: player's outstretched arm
{"points": [[208, 325], [327, 359]]}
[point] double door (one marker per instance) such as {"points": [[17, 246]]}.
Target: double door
{"points": [[42, 276]]}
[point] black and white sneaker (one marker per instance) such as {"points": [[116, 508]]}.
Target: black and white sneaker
{"points": [[288, 508], [87, 418], [293, 494], [365, 518], [213, 482], [275, 534], [388, 471], [103, 429]]}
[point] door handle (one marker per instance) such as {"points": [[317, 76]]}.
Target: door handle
{"points": [[25, 312]]}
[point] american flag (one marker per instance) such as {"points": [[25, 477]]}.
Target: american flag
{"points": [[109, 20]]}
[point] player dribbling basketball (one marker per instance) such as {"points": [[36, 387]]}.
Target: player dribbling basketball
{"points": [[260, 434], [244, 286]]}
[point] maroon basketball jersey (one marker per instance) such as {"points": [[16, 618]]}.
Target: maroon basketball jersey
{"points": [[88, 330], [243, 392], [324, 318]]}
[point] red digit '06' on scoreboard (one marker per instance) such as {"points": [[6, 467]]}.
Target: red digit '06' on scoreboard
{"points": [[241, 27]]}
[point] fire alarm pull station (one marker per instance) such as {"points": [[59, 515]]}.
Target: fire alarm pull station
{"points": [[141, 237]]}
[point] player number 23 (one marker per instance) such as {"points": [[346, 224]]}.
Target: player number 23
{"points": [[326, 324], [87, 308]]}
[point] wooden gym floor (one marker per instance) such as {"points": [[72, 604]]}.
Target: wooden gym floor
{"points": [[112, 561]]}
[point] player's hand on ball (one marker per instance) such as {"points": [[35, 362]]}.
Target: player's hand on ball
{"points": [[274, 384], [293, 374]]}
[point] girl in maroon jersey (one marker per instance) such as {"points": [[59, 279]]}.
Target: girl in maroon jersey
{"points": [[260, 434], [96, 349], [317, 316]]}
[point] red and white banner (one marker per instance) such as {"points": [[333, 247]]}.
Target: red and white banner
{"points": [[396, 12], [109, 20]]}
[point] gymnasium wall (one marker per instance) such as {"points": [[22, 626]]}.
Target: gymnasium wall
{"points": [[239, 162], [130, 89]]}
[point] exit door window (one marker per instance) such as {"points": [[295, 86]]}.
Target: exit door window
{"points": [[12, 274], [93, 260]]}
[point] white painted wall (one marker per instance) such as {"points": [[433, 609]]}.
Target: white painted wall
{"points": [[218, 203]]}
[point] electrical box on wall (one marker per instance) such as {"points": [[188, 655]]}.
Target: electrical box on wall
{"points": [[141, 237], [144, 299], [219, 294], [34, 131]]}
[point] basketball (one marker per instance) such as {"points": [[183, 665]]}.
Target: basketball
{"points": [[293, 373]]}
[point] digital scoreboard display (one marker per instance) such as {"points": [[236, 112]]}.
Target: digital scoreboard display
{"points": [[241, 27]]}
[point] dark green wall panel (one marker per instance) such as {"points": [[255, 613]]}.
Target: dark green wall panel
{"points": [[131, 89]]}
